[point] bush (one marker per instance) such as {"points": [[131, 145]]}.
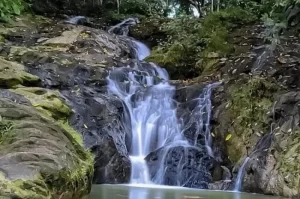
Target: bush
{"points": [[10, 7], [134, 7], [191, 39]]}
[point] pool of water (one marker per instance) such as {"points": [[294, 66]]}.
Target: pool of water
{"points": [[165, 192]]}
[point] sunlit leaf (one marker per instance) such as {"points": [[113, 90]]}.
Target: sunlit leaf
{"points": [[228, 137]]}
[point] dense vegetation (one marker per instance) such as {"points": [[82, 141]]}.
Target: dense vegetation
{"points": [[194, 44]]}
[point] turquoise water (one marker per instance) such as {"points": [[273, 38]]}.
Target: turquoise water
{"points": [[165, 192]]}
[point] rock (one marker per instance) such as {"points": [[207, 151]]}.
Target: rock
{"points": [[46, 101], [98, 117], [12, 74], [39, 158], [67, 38], [191, 171], [221, 185]]}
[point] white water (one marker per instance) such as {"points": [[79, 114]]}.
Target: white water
{"points": [[74, 20], [240, 176], [203, 114], [151, 112], [142, 50]]}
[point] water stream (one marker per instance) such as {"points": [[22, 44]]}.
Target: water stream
{"points": [[152, 115], [240, 175]]}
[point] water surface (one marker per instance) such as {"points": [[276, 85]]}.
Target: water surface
{"points": [[165, 192]]}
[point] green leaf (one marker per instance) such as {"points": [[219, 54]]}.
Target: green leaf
{"points": [[16, 8], [228, 137]]}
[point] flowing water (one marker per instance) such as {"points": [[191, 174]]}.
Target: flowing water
{"points": [[165, 192], [148, 97], [240, 175], [152, 113], [151, 116]]}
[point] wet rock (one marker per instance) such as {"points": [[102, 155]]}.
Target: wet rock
{"points": [[183, 166]]}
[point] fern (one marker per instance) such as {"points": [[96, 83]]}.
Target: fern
{"points": [[9, 8]]}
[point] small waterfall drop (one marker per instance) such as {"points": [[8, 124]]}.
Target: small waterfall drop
{"points": [[240, 176], [151, 114], [141, 49], [203, 115]]}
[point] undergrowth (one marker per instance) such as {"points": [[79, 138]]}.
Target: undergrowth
{"points": [[9, 8], [191, 39]]}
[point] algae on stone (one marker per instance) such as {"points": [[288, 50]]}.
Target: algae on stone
{"points": [[12, 74], [47, 101]]}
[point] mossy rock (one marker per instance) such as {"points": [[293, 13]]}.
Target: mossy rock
{"points": [[12, 74], [46, 101], [249, 104], [39, 159]]}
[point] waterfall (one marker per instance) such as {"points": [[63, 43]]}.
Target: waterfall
{"points": [[240, 175], [151, 114], [202, 112], [151, 111]]}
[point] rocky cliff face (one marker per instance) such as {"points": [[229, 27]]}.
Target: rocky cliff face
{"points": [[257, 107]]}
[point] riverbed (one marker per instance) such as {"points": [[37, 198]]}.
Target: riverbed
{"points": [[166, 192]]}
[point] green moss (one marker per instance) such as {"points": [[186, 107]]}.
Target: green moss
{"points": [[77, 137], [248, 107], [5, 127], [46, 101], [2, 39], [12, 74]]}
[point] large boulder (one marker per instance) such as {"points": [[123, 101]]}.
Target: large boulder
{"points": [[40, 158], [73, 65]]}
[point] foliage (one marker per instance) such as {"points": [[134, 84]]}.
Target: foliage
{"points": [[10, 7], [133, 6], [190, 39]]}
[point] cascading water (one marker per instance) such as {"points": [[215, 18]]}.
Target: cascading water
{"points": [[151, 110], [240, 175], [152, 115], [202, 112]]}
